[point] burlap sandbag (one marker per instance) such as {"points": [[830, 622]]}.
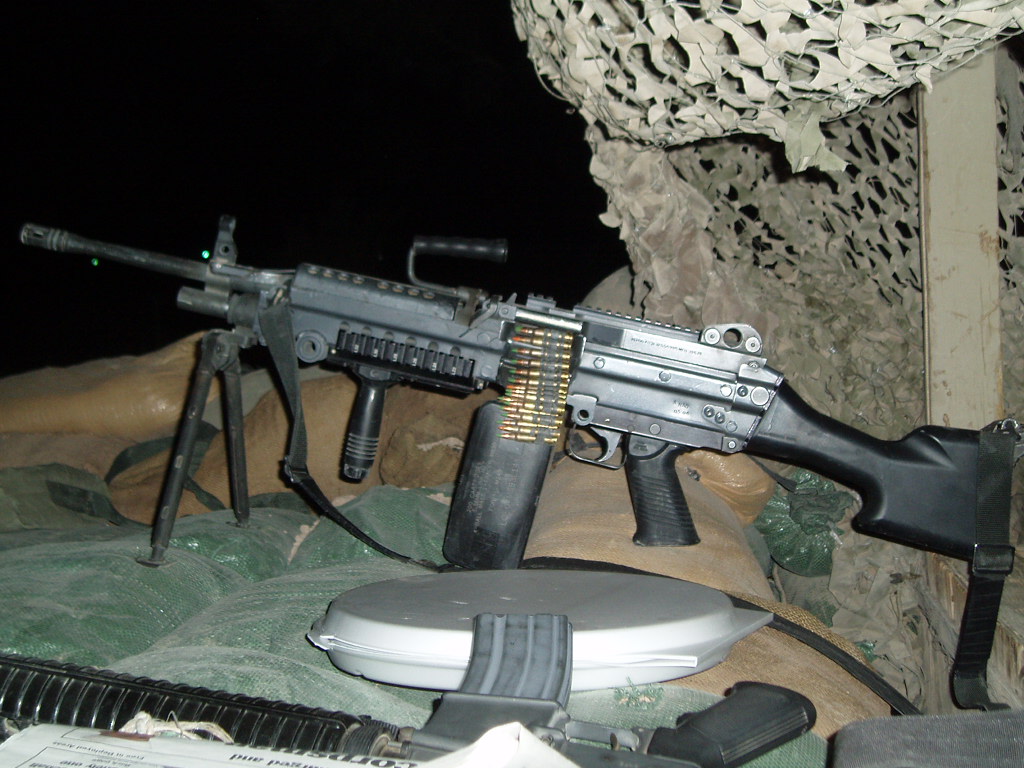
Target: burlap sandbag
{"points": [[93, 453], [421, 441], [734, 478], [424, 434], [614, 293], [128, 397], [585, 513]]}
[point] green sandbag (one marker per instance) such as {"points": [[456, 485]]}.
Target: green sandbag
{"points": [[800, 527], [231, 609], [408, 521], [85, 599], [254, 642], [91, 603], [54, 496], [260, 550]]}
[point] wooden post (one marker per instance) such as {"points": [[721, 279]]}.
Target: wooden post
{"points": [[960, 261], [960, 247]]}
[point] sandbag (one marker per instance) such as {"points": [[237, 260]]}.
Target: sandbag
{"points": [[84, 416], [735, 478], [614, 293], [53, 496], [231, 609], [801, 527], [92, 453], [585, 513], [421, 438], [128, 397], [424, 435]]}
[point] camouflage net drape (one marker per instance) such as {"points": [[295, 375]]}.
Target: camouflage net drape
{"points": [[824, 265], [1010, 104], [668, 73]]}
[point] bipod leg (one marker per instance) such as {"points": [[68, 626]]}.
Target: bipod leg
{"points": [[231, 377], [215, 350]]}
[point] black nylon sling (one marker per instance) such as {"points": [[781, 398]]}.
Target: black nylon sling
{"points": [[991, 564], [276, 327]]}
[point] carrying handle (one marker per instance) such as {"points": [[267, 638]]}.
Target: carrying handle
{"points": [[479, 249]]}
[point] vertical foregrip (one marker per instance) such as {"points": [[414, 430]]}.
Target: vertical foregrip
{"points": [[495, 497], [364, 429], [662, 515]]}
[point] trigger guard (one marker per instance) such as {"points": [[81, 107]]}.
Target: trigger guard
{"points": [[611, 441]]}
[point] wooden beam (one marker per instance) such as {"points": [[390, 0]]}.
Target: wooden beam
{"points": [[960, 256], [960, 247]]}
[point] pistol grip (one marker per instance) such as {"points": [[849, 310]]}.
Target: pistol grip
{"points": [[753, 719], [662, 515], [496, 495]]}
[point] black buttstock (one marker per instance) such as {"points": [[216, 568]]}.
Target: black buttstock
{"points": [[920, 490]]}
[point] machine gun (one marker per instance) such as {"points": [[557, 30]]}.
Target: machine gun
{"points": [[647, 390]]}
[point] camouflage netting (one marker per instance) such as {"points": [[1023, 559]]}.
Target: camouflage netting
{"points": [[825, 265], [1010, 112], [670, 73]]}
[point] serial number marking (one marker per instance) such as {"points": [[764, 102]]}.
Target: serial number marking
{"points": [[659, 345], [680, 409]]}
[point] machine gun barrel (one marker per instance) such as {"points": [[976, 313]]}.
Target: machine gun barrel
{"points": [[63, 241]]}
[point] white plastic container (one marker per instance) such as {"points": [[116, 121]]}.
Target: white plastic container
{"points": [[627, 629]]}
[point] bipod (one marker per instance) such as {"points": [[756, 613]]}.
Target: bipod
{"points": [[218, 355]]}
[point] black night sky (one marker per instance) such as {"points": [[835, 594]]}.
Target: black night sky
{"points": [[334, 131]]}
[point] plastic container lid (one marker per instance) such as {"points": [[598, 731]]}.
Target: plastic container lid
{"points": [[627, 628]]}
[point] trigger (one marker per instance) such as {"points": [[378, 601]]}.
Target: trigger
{"points": [[611, 443]]}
